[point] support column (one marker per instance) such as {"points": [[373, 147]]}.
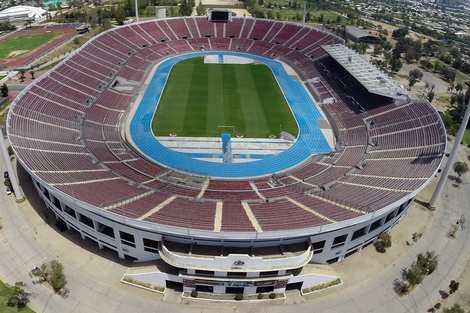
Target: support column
{"points": [[19, 197], [450, 161]]}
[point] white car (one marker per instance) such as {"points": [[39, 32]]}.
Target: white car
{"points": [[8, 191]]}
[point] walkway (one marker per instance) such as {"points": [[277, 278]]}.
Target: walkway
{"points": [[93, 276]]}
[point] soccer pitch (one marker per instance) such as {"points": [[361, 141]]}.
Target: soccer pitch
{"points": [[199, 98], [18, 46]]}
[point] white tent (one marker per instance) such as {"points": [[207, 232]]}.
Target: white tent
{"points": [[22, 11]]}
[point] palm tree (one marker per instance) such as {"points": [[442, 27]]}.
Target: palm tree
{"points": [[32, 74]]}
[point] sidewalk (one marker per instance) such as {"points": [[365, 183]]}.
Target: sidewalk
{"points": [[94, 276]]}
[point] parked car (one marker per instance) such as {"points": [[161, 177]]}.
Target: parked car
{"points": [[8, 190], [5, 174]]}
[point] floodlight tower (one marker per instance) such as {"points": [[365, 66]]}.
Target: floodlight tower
{"points": [[305, 13], [136, 12], [450, 161]]}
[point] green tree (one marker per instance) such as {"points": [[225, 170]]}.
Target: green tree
{"points": [[431, 95], [15, 294], [460, 168], [453, 286], [32, 74], [201, 9], [415, 275], [4, 90], [120, 15], [428, 262], [454, 309], [395, 64], [53, 273], [414, 76], [185, 8], [383, 242], [22, 73]]}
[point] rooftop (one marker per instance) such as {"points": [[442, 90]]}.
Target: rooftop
{"points": [[367, 74]]}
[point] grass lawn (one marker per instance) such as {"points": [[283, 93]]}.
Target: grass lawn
{"points": [[466, 137], [200, 97], [23, 44], [6, 309]]}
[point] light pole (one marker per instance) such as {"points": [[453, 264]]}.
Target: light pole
{"points": [[450, 161], [136, 12]]}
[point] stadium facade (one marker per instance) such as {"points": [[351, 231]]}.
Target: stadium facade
{"points": [[243, 235]]}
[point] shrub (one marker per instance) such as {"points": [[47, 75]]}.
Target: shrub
{"points": [[239, 297], [194, 293], [272, 295], [335, 282], [454, 286], [384, 241], [437, 305], [53, 273], [260, 296]]}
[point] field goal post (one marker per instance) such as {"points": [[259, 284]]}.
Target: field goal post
{"points": [[226, 129]]}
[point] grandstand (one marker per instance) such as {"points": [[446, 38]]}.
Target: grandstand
{"points": [[247, 234]]}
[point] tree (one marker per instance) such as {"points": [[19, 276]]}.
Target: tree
{"points": [[427, 262], [400, 32], [53, 273], [185, 8], [415, 275], [15, 294], [22, 72], [119, 15], [414, 76], [460, 168], [32, 74], [201, 9], [454, 309], [395, 64], [4, 90], [431, 95], [383, 242], [453, 286]]}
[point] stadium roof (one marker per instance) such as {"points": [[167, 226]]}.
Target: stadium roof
{"points": [[22, 11], [357, 34], [367, 74]]}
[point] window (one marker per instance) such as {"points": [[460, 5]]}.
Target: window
{"points": [[402, 208], [390, 216], [202, 272], [359, 233], [339, 241], [86, 220], [375, 225], [46, 193], [318, 246], [150, 245], [127, 239], [105, 230], [70, 211]]}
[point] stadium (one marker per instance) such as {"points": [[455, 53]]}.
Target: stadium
{"points": [[123, 152]]}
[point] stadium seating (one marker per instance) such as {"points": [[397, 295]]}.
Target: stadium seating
{"points": [[66, 130]]}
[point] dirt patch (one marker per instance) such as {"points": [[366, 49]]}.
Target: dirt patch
{"points": [[15, 53]]}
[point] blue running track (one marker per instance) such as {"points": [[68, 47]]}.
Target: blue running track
{"points": [[310, 140]]}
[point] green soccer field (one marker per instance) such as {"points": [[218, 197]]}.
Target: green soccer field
{"points": [[199, 99], [17, 47]]}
